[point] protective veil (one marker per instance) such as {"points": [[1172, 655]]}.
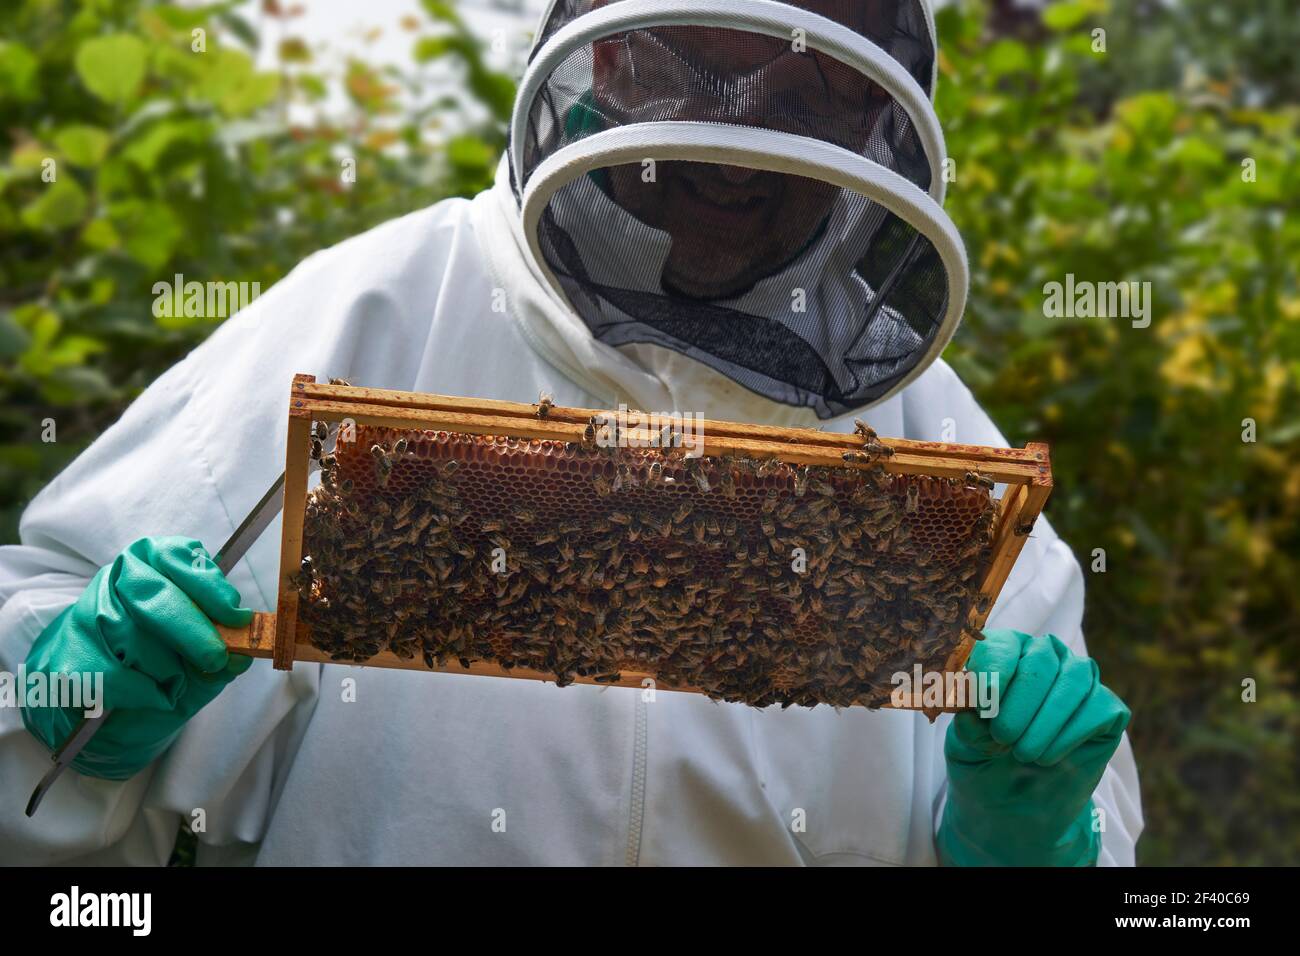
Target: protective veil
{"points": [[753, 184], [337, 764]]}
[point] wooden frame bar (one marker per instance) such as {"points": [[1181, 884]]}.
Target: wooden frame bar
{"points": [[297, 457], [1026, 473]]}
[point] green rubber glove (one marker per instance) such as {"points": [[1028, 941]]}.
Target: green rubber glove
{"points": [[145, 622], [1020, 784]]}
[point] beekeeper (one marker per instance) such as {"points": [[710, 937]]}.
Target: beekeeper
{"points": [[729, 207]]}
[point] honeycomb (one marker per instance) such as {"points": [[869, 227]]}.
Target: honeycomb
{"points": [[761, 582]]}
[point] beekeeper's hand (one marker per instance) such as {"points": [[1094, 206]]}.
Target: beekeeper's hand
{"points": [[145, 622], [1020, 783]]}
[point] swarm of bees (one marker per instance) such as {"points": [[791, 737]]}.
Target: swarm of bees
{"points": [[750, 580]]}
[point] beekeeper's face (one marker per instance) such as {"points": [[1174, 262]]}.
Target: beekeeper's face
{"points": [[731, 225]]}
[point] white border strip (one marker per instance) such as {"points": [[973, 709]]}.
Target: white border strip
{"points": [[766, 17], [759, 149]]}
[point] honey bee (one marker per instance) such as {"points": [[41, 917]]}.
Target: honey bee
{"points": [[340, 381], [728, 484], [861, 428], [801, 481], [974, 478], [544, 404], [403, 513]]}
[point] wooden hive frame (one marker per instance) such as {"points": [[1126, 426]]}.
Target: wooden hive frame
{"points": [[1026, 473]]}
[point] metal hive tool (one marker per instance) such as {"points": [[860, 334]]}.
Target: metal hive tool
{"points": [[503, 540]]}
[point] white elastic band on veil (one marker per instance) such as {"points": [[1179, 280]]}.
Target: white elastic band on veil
{"points": [[766, 17]]}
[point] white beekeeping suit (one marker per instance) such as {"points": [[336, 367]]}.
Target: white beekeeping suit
{"points": [[859, 283]]}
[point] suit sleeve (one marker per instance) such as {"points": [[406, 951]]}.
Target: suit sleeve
{"points": [[190, 456]]}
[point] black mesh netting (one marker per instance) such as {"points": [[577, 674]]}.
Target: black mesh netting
{"points": [[707, 74], [897, 26], [798, 290]]}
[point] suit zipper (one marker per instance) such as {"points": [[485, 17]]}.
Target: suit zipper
{"points": [[636, 815]]}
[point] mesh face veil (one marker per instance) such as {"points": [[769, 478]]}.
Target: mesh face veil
{"points": [[751, 183]]}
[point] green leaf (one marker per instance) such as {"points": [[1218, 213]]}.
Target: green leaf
{"points": [[294, 50], [18, 69], [83, 145], [41, 323], [29, 158], [312, 86], [1067, 15], [162, 136], [496, 90], [1008, 56], [73, 350], [232, 84], [469, 152], [1150, 113], [259, 90], [170, 63], [241, 28], [179, 18], [61, 204], [431, 48], [112, 67], [100, 234], [150, 230], [14, 339], [444, 12], [76, 385]]}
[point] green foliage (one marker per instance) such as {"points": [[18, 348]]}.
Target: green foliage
{"points": [[134, 148], [1198, 527], [112, 67], [1123, 165]]}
